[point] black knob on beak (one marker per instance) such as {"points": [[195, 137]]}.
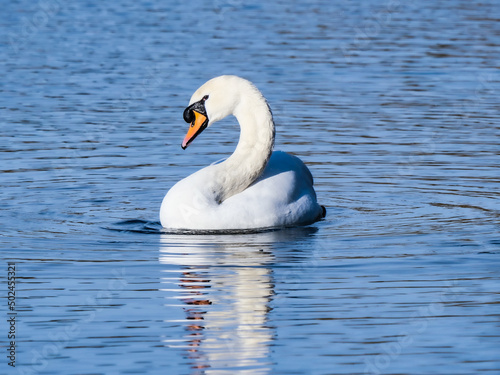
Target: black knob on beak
{"points": [[188, 115]]}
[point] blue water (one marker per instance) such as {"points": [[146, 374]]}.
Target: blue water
{"points": [[393, 105]]}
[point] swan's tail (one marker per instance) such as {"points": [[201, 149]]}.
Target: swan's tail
{"points": [[323, 211]]}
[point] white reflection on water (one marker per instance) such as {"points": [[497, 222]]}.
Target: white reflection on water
{"points": [[224, 285]]}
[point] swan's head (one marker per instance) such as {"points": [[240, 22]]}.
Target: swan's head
{"points": [[216, 99]]}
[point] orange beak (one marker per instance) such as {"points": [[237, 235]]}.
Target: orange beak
{"points": [[197, 126]]}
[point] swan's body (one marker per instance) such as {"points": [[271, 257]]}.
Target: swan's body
{"points": [[254, 188]]}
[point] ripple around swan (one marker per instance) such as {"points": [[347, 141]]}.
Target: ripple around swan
{"points": [[154, 227]]}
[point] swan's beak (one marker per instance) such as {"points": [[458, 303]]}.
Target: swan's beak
{"points": [[199, 124]]}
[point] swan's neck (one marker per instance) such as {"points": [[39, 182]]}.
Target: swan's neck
{"points": [[254, 148]]}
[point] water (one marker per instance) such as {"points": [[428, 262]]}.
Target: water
{"points": [[394, 107]]}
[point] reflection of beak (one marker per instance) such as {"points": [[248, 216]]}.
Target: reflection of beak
{"points": [[199, 124]]}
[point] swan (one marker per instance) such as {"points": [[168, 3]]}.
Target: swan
{"points": [[255, 188]]}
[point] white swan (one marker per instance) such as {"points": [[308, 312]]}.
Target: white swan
{"points": [[254, 188]]}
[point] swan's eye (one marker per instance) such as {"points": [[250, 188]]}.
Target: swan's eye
{"points": [[205, 98]]}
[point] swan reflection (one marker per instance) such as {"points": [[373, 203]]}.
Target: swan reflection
{"points": [[224, 286]]}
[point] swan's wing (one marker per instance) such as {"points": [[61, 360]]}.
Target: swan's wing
{"points": [[282, 162], [302, 169], [283, 195]]}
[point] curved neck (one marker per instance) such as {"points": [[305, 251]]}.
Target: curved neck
{"points": [[254, 148]]}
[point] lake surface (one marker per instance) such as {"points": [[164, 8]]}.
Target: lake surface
{"points": [[393, 105]]}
